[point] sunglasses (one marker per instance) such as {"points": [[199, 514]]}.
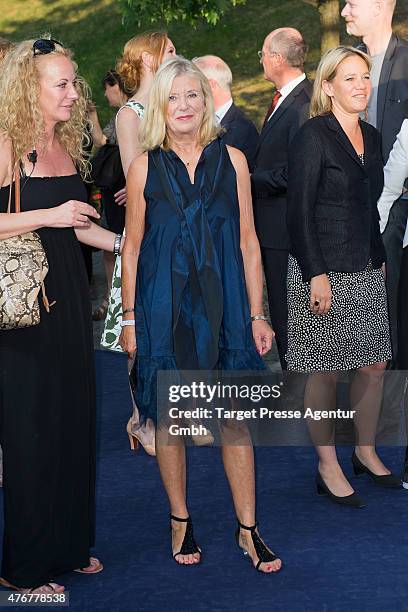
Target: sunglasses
{"points": [[43, 46]]}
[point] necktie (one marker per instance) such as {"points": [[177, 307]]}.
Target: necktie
{"points": [[274, 102]]}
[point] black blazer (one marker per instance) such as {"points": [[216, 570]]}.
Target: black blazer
{"points": [[269, 178], [392, 102], [333, 219], [241, 133]]}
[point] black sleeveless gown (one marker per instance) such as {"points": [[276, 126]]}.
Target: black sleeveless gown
{"points": [[47, 410]]}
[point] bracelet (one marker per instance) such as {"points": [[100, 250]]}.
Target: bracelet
{"points": [[127, 322], [259, 317], [127, 310], [116, 246]]}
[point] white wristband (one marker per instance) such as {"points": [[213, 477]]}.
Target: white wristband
{"points": [[127, 322]]}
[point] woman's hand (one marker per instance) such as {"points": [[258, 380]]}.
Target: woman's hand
{"points": [[120, 197], [263, 335], [320, 294], [71, 214], [127, 340]]}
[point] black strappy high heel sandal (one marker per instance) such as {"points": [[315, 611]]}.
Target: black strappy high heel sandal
{"points": [[189, 545], [264, 555]]}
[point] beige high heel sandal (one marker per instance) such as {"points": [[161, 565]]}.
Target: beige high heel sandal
{"points": [[94, 567], [145, 434], [138, 436], [202, 439]]}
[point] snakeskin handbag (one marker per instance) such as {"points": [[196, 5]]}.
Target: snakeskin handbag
{"points": [[23, 267]]}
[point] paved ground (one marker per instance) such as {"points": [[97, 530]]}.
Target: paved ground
{"points": [[98, 290]]}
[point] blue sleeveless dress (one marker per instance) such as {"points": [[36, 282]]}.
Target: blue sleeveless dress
{"points": [[191, 307]]}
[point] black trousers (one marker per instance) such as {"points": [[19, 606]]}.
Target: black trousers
{"points": [[275, 263], [402, 359], [392, 238]]}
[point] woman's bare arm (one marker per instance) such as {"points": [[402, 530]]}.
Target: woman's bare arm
{"points": [[135, 228], [127, 132], [251, 253], [97, 237]]}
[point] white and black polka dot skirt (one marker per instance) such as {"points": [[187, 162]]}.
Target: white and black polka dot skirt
{"points": [[354, 333]]}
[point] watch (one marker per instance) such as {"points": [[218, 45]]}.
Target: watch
{"points": [[259, 317]]}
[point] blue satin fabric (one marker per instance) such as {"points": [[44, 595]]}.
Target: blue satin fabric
{"points": [[191, 303]]}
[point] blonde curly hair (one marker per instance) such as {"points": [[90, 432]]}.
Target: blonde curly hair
{"points": [[5, 46], [21, 117]]}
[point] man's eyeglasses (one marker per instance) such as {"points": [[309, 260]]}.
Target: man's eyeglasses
{"points": [[261, 54], [43, 46]]}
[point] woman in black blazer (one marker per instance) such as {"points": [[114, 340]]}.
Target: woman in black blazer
{"points": [[338, 318]]}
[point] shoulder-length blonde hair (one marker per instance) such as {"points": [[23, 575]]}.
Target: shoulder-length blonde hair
{"points": [[130, 65], [153, 131], [321, 103], [20, 113]]}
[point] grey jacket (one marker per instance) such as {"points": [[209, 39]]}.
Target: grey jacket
{"points": [[392, 103]]}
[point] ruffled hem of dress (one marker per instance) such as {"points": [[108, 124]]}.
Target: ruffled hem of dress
{"points": [[145, 371], [240, 359], [144, 375]]}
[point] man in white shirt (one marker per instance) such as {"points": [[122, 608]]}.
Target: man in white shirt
{"points": [[282, 58], [240, 132]]}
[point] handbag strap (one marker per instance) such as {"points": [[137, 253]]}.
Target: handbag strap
{"points": [[17, 191], [17, 197], [15, 177]]}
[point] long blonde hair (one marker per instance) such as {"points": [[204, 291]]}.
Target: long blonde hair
{"points": [[153, 132], [20, 113], [321, 103], [130, 65]]}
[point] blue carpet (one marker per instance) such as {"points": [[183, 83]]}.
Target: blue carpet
{"points": [[334, 558]]}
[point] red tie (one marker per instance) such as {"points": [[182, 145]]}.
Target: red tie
{"points": [[274, 102]]}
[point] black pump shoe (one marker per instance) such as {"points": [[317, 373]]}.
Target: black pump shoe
{"points": [[189, 545], [264, 555], [352, 500], [385, 480]]}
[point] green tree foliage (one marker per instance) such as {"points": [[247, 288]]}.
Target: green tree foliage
{"points": [[330, 23], [165, 11]]}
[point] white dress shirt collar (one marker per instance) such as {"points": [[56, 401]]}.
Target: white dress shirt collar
{"points": [[287, 89], [222, 111]]}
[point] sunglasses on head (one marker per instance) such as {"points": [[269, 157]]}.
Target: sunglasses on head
{"points": [[43, 46]]}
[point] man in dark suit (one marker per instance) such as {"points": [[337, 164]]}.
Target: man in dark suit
{"points": [[240, 131], [282, 57], [388, 107]]}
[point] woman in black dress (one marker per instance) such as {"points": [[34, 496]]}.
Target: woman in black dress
{"points": [[47, 395]]}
